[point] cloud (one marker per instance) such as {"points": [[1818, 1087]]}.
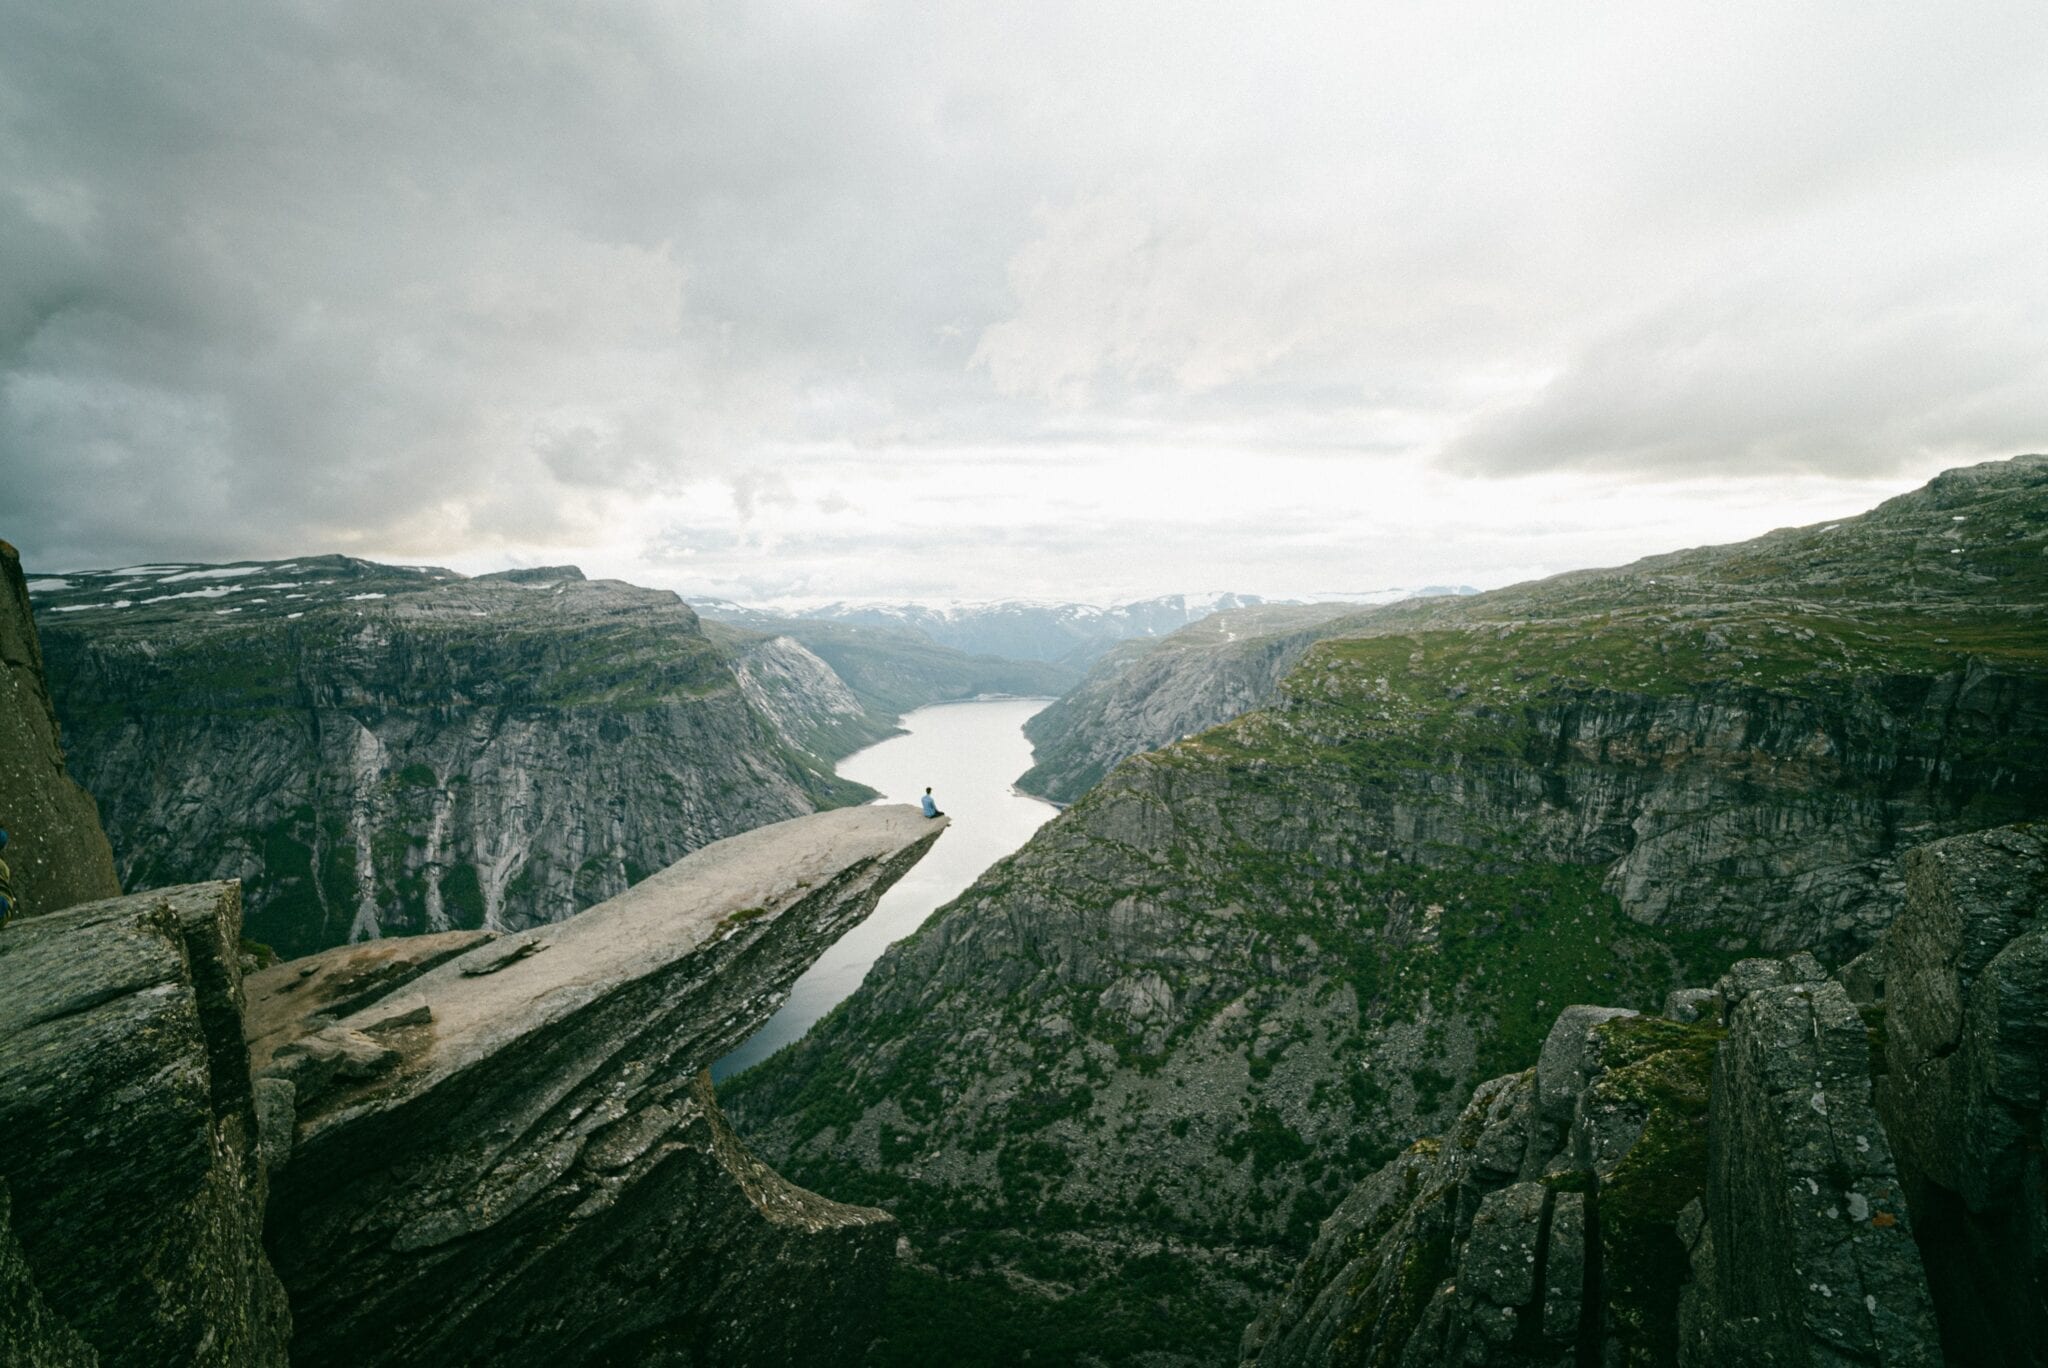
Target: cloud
{"points": [[477, 282]]}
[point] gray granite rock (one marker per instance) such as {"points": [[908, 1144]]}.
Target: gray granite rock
{"points": [[1812, 1240], [510, 1157], [1967, 1052], [56, 850], [1692, 1004], [130, 1129], [31, 1334]]}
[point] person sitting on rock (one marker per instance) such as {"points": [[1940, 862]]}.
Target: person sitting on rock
{"points": [[6, 885], [931, 809]]}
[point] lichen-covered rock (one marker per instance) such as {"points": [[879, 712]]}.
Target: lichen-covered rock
{"points": [[1812, 1252], [1449, 1255], [1966, 1030], [1692, 1004], [55, 849], [509, 1156], [130, 1131]]}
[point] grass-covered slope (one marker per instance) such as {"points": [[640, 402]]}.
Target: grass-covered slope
{"points": [[1112, 1087]]}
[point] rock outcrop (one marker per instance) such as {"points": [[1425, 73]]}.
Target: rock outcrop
{"points": [[1653, 1192], [1540, 1230], [507, 1152], [382, 750], [57, 852], [1804, 1251], [131, 1137], [31, 1334], [1962, 1096]]}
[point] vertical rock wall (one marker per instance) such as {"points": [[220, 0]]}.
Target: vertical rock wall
{"points": [[1966, 1050], [56, 850], [130, 1131]]}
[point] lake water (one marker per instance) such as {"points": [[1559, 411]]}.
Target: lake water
{"points": [[970, 754]]}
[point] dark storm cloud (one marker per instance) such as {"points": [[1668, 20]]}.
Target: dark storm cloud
{"points": [[391, 273]]}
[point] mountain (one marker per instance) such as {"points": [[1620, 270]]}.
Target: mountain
{"points": [[1072, 635], [1145, 693], [891, 670], [381, 750], [1113, 1088]]}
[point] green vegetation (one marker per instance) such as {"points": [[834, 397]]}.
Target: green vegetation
{"points": [[1662, 1068]]}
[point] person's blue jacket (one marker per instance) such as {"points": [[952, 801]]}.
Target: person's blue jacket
{"points": [[931, 809]]}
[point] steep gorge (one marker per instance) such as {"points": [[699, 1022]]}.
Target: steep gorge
{"points": [[1113, 1087]]}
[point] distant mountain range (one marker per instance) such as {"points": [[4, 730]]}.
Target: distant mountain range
{"points": [[1074, 635]]}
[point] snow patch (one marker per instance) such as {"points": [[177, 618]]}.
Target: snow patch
{"points": [[44, 586], [354, 597], [218, 591], [219, 572]]}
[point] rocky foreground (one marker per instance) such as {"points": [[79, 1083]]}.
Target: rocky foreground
{"points": [[1788, 1168], [465, 1148]]}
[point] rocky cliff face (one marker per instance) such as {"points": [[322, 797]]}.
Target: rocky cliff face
{"points": [[803, 696], [56, 850], [1149, 692], [379, 750], [131, 1138], [1801, 1170], [1158, 1044], [1964, 996], [508, 1152]]}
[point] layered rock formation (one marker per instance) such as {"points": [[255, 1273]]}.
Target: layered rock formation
{"points": [[1246, 970], [507, 1152], [131, 1137], [57, 852], [377, 749]]}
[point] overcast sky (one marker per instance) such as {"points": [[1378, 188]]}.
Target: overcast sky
{"points": [[789, 301]]}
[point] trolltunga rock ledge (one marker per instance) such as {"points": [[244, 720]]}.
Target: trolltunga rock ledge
{"points": [[503, 1149]]}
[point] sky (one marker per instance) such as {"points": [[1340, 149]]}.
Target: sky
{"points": [[805, 301]]}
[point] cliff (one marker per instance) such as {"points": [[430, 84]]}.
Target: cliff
{"points": [[131, 1138], [508, 1153], [381, 750], [1157, 1045], [56, 850], [1800, 1169]]}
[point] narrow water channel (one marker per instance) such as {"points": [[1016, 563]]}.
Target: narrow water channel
{"points": [[970, 754]]}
